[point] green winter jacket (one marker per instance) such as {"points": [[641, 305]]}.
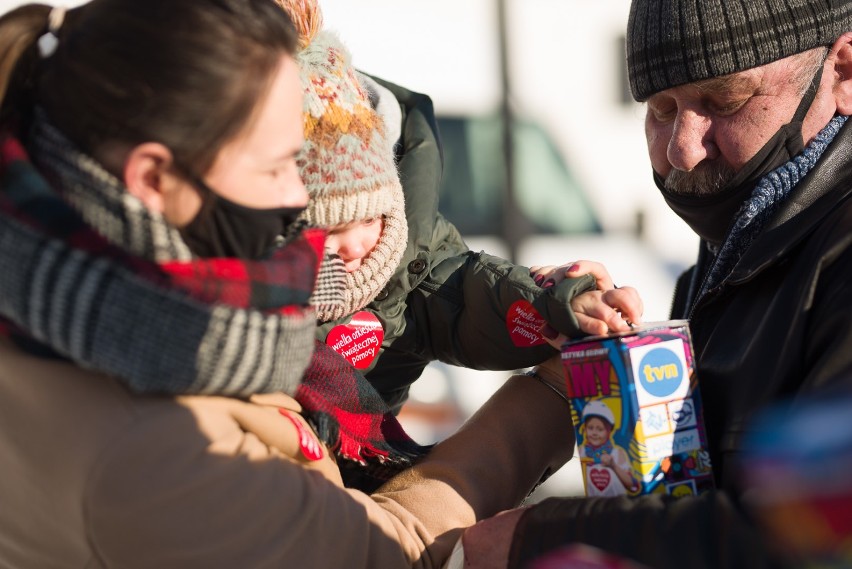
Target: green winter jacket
{"points": [[445, 302]]}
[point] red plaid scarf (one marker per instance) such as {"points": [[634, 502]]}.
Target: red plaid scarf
{"points": [[345, 409]]}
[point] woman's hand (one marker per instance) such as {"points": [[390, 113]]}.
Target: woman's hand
{"points": [[547, 276]]}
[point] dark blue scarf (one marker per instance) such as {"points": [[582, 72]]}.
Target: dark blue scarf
{"points": [[771, 191]]}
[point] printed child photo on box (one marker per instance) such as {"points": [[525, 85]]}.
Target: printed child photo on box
{"points": [[606, 466]]}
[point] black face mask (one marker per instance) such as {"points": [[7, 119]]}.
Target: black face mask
{"points": [[223, 228], [712, 215]]}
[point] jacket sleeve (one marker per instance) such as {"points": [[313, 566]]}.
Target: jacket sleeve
{"points": [[659, 531], [198, 491], [205, 493], [828, 338], [468, 294], [715, 529], [473, 311]]}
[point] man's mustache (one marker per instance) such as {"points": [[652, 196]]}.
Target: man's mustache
{"points": [[704, 179]]}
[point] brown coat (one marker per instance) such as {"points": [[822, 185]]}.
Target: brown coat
{"points": [[92, 476]]}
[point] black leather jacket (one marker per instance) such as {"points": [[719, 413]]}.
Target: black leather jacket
{"points": [[778, 328]]}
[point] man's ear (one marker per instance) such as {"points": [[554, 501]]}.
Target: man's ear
{"points": [[148, 174], [842, 90]]}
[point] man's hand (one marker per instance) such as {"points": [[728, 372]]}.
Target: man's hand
{"points": [[487, 543], [599, 312], [606, 309]]}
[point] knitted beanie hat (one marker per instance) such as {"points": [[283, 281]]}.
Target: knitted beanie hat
{"points": [[673, 42], [347, 162]]}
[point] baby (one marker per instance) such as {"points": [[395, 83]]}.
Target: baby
{"points": [[415, 293], [354, 241]]}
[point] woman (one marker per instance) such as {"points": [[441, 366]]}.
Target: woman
{"points": [[135, 154]]}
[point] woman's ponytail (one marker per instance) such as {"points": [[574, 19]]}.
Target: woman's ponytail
{"points": [[20, 30]]}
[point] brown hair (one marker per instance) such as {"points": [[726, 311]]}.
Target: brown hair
{"points": [[186, 73]]}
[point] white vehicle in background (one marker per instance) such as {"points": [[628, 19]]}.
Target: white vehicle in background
{"points": [[553, 221], [581, 169]]}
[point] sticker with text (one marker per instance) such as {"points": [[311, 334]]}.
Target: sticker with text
{"points": [[359, 341], [524, 322]]}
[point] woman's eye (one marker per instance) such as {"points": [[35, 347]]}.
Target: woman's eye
{"points": [[282, 168], [369, 221]]}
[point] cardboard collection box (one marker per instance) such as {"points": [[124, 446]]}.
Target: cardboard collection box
{"points": [[637, 412]]}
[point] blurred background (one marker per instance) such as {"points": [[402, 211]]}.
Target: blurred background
{"points": [[568, 179], [545, 157]]}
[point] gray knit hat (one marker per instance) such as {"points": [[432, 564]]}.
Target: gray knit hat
{"points": [[673, 42]]}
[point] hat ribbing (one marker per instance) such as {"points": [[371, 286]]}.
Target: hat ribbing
{"points": [[673, 42]]}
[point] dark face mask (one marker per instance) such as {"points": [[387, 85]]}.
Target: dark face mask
{"points": [[223, 228], [711, 215]]}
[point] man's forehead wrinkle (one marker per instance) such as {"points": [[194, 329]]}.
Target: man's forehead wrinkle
{"points": [[736, 83]]}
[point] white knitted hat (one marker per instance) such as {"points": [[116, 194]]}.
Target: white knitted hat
{"points": [[347, 163]]}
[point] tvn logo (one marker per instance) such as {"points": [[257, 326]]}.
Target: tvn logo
{"points": [[660, 372]]}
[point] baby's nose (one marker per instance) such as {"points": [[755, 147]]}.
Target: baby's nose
{"points": [[350, 249]]}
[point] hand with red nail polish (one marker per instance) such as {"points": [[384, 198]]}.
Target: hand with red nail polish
{"points": [[549, 332], [603, 280], [606, 309], [554, 274], [553, 336]]}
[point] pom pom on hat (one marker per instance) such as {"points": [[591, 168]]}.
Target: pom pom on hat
{"points": [[306, 16]]}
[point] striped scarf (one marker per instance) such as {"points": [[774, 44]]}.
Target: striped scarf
{"points": [[111, 299]]}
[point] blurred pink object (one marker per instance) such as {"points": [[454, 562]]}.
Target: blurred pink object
{"points": [[582, 556]]}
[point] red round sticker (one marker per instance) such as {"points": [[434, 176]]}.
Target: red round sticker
{"points": [[359, 341], [523, 323]]}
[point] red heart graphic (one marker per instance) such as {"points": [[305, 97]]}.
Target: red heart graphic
{"points": [[359, 341], [523, 323], [600, 477]]}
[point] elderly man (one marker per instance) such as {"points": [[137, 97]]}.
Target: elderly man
{"points": [[746, 108]]}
